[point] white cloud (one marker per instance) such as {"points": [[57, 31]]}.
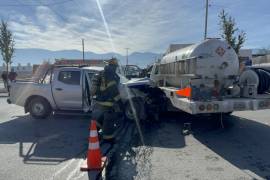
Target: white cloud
{"points": [[141, 25]]}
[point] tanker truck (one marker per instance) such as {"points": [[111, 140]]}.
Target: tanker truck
{"points": [[205, 78]]}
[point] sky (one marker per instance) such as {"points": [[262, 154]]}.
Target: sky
{"points": [[141, 25]]}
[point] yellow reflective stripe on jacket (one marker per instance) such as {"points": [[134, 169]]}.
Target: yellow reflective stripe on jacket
{"points": [[108, 136], [116, 98], [105, 103], [111, 83]]}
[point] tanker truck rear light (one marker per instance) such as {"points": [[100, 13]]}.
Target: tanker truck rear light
{"points": [[209, 107], [201, 107]]}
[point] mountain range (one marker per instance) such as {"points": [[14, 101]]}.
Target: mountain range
{"points": [[37, 56]]}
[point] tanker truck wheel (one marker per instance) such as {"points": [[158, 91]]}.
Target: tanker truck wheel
{"points": [[39, 108]]}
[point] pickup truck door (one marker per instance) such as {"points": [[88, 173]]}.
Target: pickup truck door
{"points": [[86, 79], [67, 89]]}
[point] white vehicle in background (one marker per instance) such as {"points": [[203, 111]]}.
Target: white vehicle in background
{"points": [[205, 78], [64, 90], [132, 71]]}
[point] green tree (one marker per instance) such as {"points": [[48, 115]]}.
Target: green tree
{"points": [[6, 44], [230, 33]]}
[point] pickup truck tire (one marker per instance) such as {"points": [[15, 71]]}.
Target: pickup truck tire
{"points": [[39, 108], [129, 112]]}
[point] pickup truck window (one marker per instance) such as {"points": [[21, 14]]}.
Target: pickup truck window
{"points": [[91, 75], [47, 78], [70, 77]]}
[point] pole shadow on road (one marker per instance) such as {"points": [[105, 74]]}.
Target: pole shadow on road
{"points": [[48, 141], [243, 142]]}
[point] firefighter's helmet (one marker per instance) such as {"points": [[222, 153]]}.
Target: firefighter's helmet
{"points": [[113, 61], [111, 67]]}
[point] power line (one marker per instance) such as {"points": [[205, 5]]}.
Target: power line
{"points": [[33, 5]]}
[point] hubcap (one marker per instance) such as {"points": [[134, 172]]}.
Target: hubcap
{"points": [[129, 113], [38, 108]]}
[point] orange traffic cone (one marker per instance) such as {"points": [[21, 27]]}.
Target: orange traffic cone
{"points": [[94, 160]]}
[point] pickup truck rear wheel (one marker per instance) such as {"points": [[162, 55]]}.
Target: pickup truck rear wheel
{"points": [[138, 108], [129, 113], [39, 108]]}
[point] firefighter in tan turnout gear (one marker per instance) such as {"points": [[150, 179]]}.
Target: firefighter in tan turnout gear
{"points": [[104, 90]]}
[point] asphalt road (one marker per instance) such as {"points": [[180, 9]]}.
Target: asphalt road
{"points": [[54, 148], [41, 149], [241, 150]]}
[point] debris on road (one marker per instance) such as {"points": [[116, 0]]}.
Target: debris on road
{"points": [[186, 129]]}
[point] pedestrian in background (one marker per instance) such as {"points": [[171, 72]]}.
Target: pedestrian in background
{"points": [[12, 75]]}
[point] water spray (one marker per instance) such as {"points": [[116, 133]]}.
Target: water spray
{"points": [[121, 72]]}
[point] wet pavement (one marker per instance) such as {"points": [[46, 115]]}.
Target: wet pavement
{"points": [[240, 150], [54, 148]]}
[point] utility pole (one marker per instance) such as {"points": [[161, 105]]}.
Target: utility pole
{"points": [[206, 20], [127, 56], [83, 48]]}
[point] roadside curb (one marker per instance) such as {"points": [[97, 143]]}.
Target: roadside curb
{"points": [[3, 92], [3, 95]]}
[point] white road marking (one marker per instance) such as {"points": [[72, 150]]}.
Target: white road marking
{"points": [[62, 169], [76, 169]]}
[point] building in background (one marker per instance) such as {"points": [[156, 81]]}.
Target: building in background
{"points": [[23, 71], [261, 59], [78, 62]]}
